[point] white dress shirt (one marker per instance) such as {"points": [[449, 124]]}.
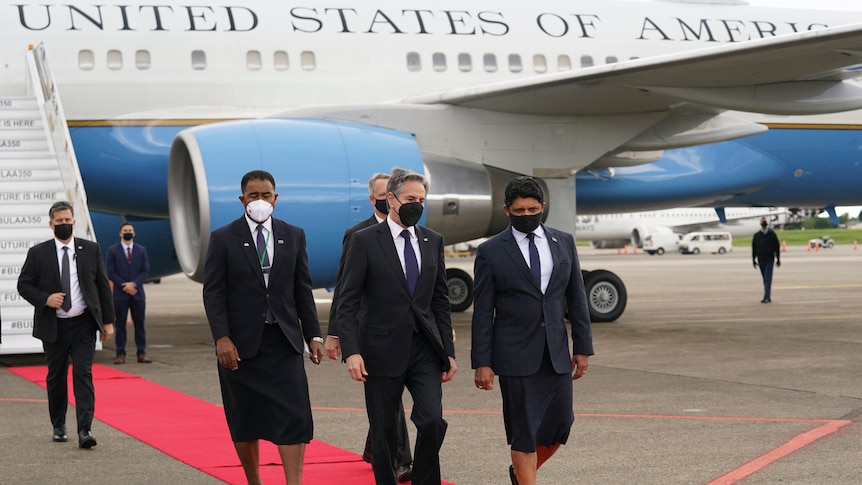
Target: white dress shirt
{"points": [[546, 261]]}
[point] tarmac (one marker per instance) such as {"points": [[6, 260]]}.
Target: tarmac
{"points": [[697, 383]]}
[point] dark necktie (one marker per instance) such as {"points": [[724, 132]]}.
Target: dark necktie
{"points": [[535, 265], [66, 281], [128, 255], [263, 258], [411, 267]]}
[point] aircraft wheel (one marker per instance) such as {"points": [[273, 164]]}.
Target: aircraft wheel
{"points": [[460, 286], [606, 295]]}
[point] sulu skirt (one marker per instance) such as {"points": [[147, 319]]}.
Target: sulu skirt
{"points": [[537, 409], [267, 396]]}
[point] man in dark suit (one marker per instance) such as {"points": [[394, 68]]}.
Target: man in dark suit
{"points": [[64, 279], [395, 326], [766, 253], [128, 267], [528, 281], [258, 300], [377, 199]]}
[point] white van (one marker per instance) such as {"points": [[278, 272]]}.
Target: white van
{"points": [[706, 242], [660, 243]]}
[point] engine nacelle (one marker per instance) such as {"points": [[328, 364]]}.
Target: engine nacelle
{"points": [[321, 169]]}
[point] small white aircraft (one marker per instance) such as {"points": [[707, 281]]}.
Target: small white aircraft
{"points": [[612, 231]]}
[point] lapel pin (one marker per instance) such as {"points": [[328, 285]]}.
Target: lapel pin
{"points": [[425, 239], [245, 245], [554, 239], [80, 247], [281, 241]]}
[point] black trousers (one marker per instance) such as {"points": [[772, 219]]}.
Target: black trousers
{"points": [[76, 338], [403, 456], [121, 310], [383, 398]]}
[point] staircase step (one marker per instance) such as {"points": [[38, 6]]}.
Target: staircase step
{"points": [[29, 197], [44, 163], [55, 185], [9, 144], [18, 102]]}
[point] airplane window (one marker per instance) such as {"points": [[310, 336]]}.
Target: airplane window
{"points": [[279, 59], [414, 62], [86, 59], [465, 62], [253, 60], [587, 61], [540, 64], [199, 60], [142, 59], [490, 62], [439, 61], [564, 63], [115, 59], [515, 63], [307, 61]]}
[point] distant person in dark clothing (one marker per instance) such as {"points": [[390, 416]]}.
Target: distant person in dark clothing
{"points": [[765, 251]]}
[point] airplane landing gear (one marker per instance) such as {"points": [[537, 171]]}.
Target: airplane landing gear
{"points": [[606, 295]]}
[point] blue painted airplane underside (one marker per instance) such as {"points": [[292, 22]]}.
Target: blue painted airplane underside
{"points": [[323, 185]]}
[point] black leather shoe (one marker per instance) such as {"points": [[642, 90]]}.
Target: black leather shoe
{"points": [[404, 473], [60, 435], [512, 475], [86, 439]]}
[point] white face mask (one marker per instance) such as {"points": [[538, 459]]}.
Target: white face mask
{"points": [[259, 210]]}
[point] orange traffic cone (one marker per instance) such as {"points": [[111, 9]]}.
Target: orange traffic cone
{"points": [[626, 251], [809, 247], [855, 246], [634, 249], [784, 246], [817, 248], [619, 251]]}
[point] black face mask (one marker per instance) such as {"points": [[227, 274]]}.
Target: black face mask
{"points": [[63, 231], [526, 224], [410, 213], [763, 226], [381, 205], [128, 236]]}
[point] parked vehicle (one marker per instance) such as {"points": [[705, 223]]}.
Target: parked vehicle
{"points": [[707, 242], [659, 243], [821, 242]]}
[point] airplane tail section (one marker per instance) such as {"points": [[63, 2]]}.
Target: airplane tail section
{"points": [[37, 168]]}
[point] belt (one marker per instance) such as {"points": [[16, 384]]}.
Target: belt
{"points": [[78, 318]]}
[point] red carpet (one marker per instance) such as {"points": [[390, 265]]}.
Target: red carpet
{"points": [[194, 431]]}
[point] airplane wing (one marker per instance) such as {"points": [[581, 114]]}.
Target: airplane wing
{"points": [[788, 75]]}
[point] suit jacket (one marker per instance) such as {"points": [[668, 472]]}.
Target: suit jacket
{"points": [[121, 270], [345, 242], [513, 321], [374, 281], [235, 294], [40, 277]]}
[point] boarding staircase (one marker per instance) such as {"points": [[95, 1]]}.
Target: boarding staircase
{"points": [[37, 168]]}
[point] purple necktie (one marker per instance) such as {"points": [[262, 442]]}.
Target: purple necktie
{"points": [[411, 267]]}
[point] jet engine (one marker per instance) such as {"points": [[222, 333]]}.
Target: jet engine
{"points": [[321, 169]]}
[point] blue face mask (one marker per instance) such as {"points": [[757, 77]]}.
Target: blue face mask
{"points": [[381, 205]]}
